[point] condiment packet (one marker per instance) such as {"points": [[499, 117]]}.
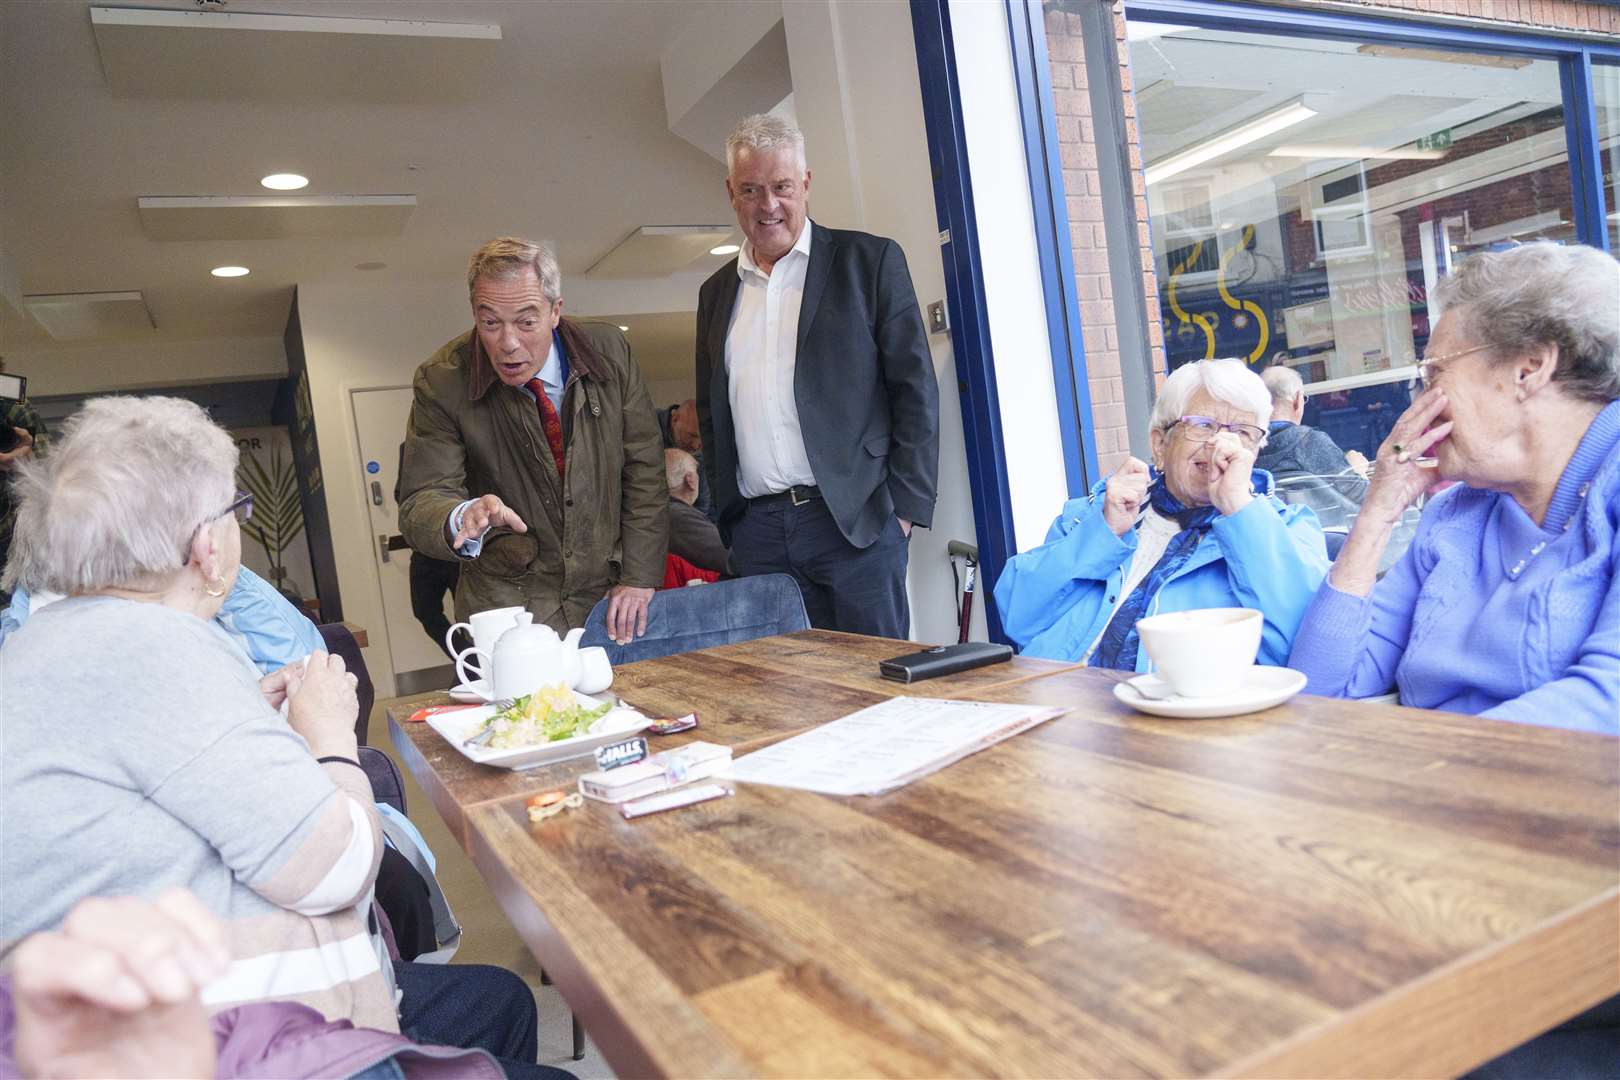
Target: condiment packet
{"points": [[671, 726]]}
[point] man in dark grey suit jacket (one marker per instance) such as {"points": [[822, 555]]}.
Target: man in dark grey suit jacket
{"points": [[817, 398]]}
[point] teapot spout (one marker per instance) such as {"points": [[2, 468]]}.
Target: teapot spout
{"points": [[572, 640]]}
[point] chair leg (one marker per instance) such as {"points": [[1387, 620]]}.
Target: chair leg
{"points": [[579, 1037]]}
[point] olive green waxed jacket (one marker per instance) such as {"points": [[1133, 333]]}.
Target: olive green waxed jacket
{"points": [[604, 523]]}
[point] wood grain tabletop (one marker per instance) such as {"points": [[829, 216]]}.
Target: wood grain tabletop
{"points": [[1325, 889], [746, 696]]}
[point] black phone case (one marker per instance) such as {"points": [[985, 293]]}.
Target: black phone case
{"points": [[943, 660]]}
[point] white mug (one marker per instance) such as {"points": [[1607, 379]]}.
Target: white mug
{"points": [[484, 627], [595, 672], [1204, 653]]}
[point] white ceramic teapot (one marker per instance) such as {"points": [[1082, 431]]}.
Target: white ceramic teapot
{"points": [[530, 655]]}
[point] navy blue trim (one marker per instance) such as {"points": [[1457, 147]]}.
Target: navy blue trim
{"points": [[1032, 75], [964, 298], [1585, 154], [1575, 56], [1382, 26]]}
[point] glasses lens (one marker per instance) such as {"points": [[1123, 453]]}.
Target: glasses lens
{"points": [[243, 507], [1250, 436], [1199, 428]]}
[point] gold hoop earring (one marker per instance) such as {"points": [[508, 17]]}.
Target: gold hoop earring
{"points": [[210, 590]]}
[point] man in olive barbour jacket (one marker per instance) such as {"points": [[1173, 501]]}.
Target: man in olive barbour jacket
{"points": [[533, 455]]}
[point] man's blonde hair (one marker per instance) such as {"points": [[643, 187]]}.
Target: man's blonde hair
{"points": [[508, 256]]}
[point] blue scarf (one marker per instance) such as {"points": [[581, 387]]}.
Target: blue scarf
{"points": [[1118, 646]]}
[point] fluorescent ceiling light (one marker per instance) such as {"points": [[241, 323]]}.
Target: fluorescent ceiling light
{"points": [[725, 249], [624, 329], [229, 271], [284, 181], [1224, 143], [1333, 152]]}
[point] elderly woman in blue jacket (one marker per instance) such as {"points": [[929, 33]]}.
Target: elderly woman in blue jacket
{"points": [[1200, 529]]}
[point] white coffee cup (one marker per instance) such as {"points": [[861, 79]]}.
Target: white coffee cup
{"points": [[484, 627], [1204, 653], [595, 672]]}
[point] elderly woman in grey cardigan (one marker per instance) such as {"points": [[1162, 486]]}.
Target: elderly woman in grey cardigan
{"points": [[143, 750]]}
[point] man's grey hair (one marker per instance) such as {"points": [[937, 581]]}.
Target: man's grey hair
{"points": [[120, 496], [763, 133], [1228, 380], [1545, 294], [1284, 384], [508, 256], [678, 467]]}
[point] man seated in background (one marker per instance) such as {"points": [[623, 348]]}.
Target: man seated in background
{"points": [[679, 423], [1292, 449], [696, 552]]}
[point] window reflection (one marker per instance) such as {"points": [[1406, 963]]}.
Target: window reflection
{"points": [[1306, 195]]}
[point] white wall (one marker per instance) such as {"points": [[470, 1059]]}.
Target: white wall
{"points": [[109, 368], [856, 93], [1014, 296]]}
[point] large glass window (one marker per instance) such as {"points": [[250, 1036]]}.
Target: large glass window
{"points": [[1606, 91], [1306, 195]]}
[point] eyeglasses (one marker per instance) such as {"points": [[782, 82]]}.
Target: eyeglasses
{"points": [[241, 506], [1429, 368], [782, 189], [1201, 429]]}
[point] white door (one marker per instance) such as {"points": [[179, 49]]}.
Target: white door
{"points": [[379, 422]]}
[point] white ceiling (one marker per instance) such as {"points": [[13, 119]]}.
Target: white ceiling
{"points": [[564, 136]]}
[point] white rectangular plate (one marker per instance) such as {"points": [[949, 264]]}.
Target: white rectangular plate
{"points": [[456, 727]]}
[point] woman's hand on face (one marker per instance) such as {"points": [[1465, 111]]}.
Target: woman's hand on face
{"points": [[1396, 484], [323, 706], [1124, 494], [1230, 467]]}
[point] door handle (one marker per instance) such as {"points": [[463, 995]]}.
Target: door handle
{"points": [[376, 493], [386, 544], [382, 547]]}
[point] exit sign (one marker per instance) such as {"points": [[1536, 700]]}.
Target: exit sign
{"points": [[1440, 140]]}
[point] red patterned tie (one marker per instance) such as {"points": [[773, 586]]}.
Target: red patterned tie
{"points": [[550, 421]]}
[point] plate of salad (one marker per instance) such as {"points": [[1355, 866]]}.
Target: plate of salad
{"points": [[552, 724]]}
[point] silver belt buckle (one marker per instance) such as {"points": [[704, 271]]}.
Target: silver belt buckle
{"points": [[793, 494]]}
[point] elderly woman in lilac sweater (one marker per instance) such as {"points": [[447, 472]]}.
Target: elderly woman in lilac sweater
{"points": [[1506, 603]]}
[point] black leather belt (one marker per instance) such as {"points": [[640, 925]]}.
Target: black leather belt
{"points": [[798, 496]]}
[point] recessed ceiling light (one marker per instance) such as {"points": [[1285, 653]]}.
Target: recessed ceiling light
{"points": [[285, 181], [725, 249], [373, 265], [229, 271], [624, 329]]}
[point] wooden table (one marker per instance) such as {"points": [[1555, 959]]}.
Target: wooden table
{"points": [[746, 696], [1325, 888]]}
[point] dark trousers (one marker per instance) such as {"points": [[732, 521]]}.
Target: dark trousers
{"points": [[430, 579], [473, 1006], [857, 590]]}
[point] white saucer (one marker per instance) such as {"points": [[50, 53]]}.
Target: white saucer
{"points": [[1263, 687], [476, 691]]}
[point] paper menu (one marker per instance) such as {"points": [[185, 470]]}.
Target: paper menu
{"points": [[885, 746]]}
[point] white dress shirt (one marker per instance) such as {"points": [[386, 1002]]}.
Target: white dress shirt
{"points": [[762, 347]]}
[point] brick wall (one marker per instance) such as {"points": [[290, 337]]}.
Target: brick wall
{"points": [[1077, 149], [1547, 14], [1094, 288]]}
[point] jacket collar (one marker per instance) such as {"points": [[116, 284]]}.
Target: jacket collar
{"points": [[583, 360]]}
